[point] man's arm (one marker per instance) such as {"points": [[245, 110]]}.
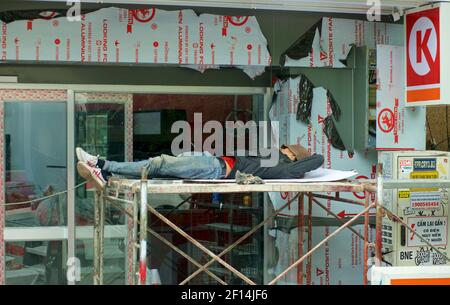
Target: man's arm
{"points": [[298, 169]]}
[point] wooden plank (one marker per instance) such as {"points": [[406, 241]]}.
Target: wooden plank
{"points": [[177, 186]]}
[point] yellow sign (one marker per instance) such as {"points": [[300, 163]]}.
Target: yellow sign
{"points": [[424, 175], [403, 194]]}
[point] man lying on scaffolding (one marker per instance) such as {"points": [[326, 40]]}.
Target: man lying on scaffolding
{"points": [[293, 162]]}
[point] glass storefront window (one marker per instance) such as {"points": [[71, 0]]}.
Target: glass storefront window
{"points": [[35, 166], [35, 161], [35, 137], [100, 129], [35, 263], [216, 225]]}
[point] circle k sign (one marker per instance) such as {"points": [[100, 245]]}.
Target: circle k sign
{"points": [[423, 46], [423, 75]]}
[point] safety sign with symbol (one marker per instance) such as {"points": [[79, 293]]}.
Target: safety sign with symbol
{"points": [[433, 229], [386, 120]]}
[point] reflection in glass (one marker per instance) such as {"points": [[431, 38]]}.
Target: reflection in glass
{"points": [[100, 130], [35, 263], [35, 159]]}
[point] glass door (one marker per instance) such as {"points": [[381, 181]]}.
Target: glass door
{"points": [[34, 166], [102, 128]]}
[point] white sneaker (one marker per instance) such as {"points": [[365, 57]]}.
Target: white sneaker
{"points": [[83, 156], [91, 174]]}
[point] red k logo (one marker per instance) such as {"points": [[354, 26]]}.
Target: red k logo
{"points": [[423, 46], [423, 64]]}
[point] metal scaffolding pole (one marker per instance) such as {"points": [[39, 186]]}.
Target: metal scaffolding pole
{"points": [[143, 189], [337, 217], [143, 228], [241, 239], [366, 238], [309, 264], [230, 188], [319, 245], [379, 217], [99, 226], [300, 231], [134, 216], [131, 223], [200, 246], [168, 243]]}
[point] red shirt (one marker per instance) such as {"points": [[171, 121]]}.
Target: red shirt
{"points": [[229, 160]]}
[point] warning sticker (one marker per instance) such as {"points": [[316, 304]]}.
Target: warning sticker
{"points": [[433, 229], [425, 200]]}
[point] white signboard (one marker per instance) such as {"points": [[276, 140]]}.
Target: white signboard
{"points": [[398, 127], [145, 36], [433, 229]]}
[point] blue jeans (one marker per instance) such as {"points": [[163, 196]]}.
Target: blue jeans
{"points": [[184, 166]]}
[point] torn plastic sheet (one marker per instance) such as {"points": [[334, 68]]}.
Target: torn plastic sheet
{"points": [[138, 36], [335, 109], [301, 102], [305, 91], [302, 47], [334, 38], [332, 133], [340, 260]]}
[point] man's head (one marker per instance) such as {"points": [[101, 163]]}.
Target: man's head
{"points": [[294, 152]]}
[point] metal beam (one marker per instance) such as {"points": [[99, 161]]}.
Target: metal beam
{"points": [[348, 6], [415, 183]]}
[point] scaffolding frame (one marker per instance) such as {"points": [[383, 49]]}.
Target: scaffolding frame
{"points": [[136, 192]]}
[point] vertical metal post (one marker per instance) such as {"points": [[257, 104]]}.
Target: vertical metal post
{"points": [[96, 241], [2, 191], [366, 237], [101, 236], [309, 264], [135, 236], [379, 216], [71, 224], [130, 262], [143, 230], [129, 128], [99, 225], [267, 102], [301, 212], [266, 202]]}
